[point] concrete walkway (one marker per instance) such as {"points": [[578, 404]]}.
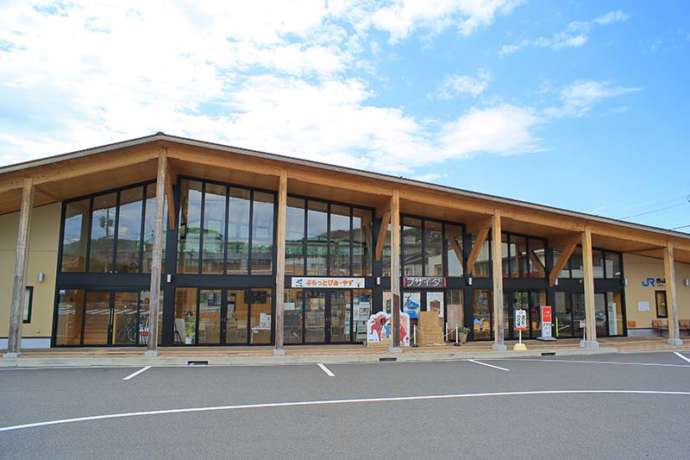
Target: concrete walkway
{"points": [[333, 354]]}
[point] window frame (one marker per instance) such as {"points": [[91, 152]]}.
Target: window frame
{"points": [[28, 294], [444, 246]]}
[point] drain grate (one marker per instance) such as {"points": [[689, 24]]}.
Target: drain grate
{"points": [[549, 353], [197, 363], [383, 360]]}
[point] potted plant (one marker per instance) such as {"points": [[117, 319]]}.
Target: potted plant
{"points": [[463, 332], [189, 327]]}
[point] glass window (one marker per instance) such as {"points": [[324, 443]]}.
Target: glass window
{"points": [[455, 314], [317, 238], [125, 311], [149, 220], [519, 245], [261, 316], [455, 255], [482, 267], [214, 229], [340, 309], [102, 233], [600, 314], [412, 247], [481, 312], [339, 240], [96, 318], [576, 270], [661, 306], [386, 256], [563, 318], [598, 266], [294, 237], [537, 299], [537, 258], [578, 302], [362, 232], [433, 246], [75, 237], [185, 316], [189, 227], [613, 265], [294, 304], [144, 313], [129, 230], [209, 316], [28, 301], [238, 230], [69, 316], [508, 257], [362, 311], [237, 317], [616, 319], [262, 234]]}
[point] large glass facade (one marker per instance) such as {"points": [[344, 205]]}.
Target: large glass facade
{"points": [[294, 237], [481, 314], [412, 247], [523, 257], [109, 232], [429, 248]]}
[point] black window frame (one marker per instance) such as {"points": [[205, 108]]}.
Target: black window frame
{"points": [[521, 275], [444, 246]]}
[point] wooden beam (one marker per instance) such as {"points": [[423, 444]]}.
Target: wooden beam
{"points": [[14, 338], [453, 244], [157, 255], [588, 274], [280, 262], [671, 296], [497, 281], [381, 237], [567, 247], [170, 196], [480, 236], [395, 271]]}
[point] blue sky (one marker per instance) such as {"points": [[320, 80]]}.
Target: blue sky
{"points": [[577, 104]]}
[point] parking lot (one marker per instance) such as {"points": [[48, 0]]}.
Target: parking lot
{"points": [[599, 406]]}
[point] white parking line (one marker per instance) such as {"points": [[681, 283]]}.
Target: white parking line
{"points": [[341, 402], [134, 374], [326, 370], [488, 365], [681, 356], [574, 361]]}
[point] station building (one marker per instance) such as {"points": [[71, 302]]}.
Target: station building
{"points": [[201, 244]]}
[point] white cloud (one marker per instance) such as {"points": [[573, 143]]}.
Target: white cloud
{"points": [[506, 129], [402, 17], [579, 97], [575, 35], [457, 85]]}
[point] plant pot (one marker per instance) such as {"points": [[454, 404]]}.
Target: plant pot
{"points": [[463, 337], [188, 340]]}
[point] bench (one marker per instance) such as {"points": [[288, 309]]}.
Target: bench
{"points": [[661, 325]]}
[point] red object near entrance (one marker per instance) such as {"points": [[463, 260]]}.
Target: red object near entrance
{"points": [[546, 314]]}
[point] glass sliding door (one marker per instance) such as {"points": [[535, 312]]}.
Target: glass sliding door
{"points": [[481, 314], [261, 316], [315, 317], [209, 317], [237, 317], [125, 318], [293, 316], [340, 307], [96, 318]]}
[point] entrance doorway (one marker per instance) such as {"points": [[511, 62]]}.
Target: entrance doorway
{"points": [[528, 300], [327, 317]]}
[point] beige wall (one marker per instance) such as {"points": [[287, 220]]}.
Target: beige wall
{"points": [[43, 247], [637, 269]]}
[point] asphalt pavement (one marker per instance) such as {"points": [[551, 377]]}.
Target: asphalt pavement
{"points": [[613, 406]]}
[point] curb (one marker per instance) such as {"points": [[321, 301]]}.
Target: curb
{"points": [[178, 361]]}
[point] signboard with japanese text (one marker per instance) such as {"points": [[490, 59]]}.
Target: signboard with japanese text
{"points": [[332, 283], [520, 320], [424, 282], [546, 318]]}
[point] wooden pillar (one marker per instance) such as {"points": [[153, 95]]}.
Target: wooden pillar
{"points": [[280, 263], [157, 255], [14, 337], [671, 296], [497, 280], [590, 340], [395, 271]]}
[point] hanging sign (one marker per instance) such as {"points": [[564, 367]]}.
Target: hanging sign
{"points": [[424, 282], [520, 320], [333, 283]]}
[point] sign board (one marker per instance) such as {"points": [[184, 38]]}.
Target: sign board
{"points": [[424, 282], [520, 320], [325, 282], [546, 318], [653, 282], [379, 328], [642, 305], [582, 324]]}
